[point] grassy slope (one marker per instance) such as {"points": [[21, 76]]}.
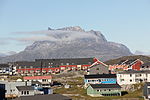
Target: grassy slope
{"points": [[83, 96]]}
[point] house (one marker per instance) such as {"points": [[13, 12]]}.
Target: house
{"points": [[145, 66], [44, 97], [98, 69], [133, 77], [100, 79], [146, 91], [10, 87], [134, 64], [44, 80], [4, 69], [96, 90], [25, 91]]}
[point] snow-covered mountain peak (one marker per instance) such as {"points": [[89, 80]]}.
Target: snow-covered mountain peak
{"points": [[72, 28]]}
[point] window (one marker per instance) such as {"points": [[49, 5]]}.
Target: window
{"points": [[97, 68], [130, 80], [130, 75], [27, 92], [44, 80], [22, 92], [67, 63], [25, 67], [97, 90]]}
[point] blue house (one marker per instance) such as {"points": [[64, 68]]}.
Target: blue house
{"points": [[100, 79]]}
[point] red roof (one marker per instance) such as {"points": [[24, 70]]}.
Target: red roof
{"points": [[36, 77]]}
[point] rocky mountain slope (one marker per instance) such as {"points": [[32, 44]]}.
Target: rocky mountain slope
{"points": [[70, 42]]}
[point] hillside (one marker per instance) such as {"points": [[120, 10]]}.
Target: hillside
{"points": [[145, 59]]}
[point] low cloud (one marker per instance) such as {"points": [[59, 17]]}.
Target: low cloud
{"points": [[34, 38]]}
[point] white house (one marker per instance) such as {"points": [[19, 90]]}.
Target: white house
{"points": [[45, 80], [10, 87], [25, 91], [133, 77]]}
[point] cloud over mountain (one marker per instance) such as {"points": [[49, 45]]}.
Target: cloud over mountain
{"points": [[68, 42]]}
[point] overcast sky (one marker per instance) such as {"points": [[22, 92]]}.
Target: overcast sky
{"points": [[122, 21]]}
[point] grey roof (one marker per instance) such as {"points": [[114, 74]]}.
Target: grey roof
{"points": [[76, 61], [36, 82], [100, 76], [4, 65], [24, 88], [133, 71], [44, 97], [44, 63], [96, 86]]}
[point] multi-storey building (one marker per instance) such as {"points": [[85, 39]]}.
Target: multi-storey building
{"points": [[133, 77], [10, 87], [102, 85], [46, 66], [100, 79], [126, 65]]}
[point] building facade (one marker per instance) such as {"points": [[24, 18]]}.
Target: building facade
{"points": [[133, 77], [44, 80], [10, 87], [100, 79], [51, 66], [96, 90], [25, 91]]}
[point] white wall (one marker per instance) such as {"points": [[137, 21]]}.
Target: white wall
{"points": [[124, 79]]}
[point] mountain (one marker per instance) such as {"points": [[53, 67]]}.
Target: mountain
{"points": [[71, 42], [145, 59], [142, 53], [7, 54]]}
